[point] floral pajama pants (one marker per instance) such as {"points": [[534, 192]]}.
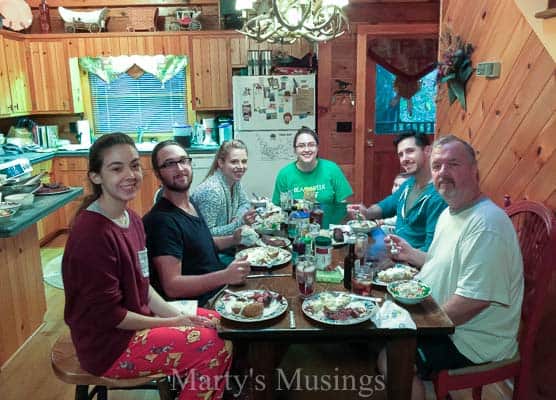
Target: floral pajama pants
{"points": [[196, 356]]}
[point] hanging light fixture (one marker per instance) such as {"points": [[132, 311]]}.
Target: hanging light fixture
{"points": [[285, 21]]}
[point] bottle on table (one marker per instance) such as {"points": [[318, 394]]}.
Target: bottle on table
{"points": [[298, 249], [351, 262], [316, 214]]}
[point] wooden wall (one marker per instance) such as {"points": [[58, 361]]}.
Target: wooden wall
{"points": [[511, 121]]}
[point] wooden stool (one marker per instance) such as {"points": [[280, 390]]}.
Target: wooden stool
{"points": [[67, 368]]}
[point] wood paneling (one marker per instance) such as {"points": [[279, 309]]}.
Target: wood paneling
{"points": [[22, 300], [511, 122]]}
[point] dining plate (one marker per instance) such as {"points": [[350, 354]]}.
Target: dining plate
{"points": [[338, 308], [274, 241], [398, 272], [265, 256], [53, 191], [234, 307]]}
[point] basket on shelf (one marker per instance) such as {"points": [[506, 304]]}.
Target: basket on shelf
{"points": [[142, 18]]}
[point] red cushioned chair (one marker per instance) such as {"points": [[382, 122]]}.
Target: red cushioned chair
{"points": [[536, 229]]}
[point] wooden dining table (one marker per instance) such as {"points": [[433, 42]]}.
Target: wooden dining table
{"points": [[262, 344]]}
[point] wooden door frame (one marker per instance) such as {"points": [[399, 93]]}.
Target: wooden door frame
{"points": [[364, 32]]}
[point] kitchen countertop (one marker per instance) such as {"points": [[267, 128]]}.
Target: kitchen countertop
{"points": [[42, 206], [34, 157]]}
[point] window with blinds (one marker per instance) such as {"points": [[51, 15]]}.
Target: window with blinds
{"points": [[128, 104]]}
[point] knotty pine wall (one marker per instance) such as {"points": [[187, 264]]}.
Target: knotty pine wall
{"points": [[511, 122]]}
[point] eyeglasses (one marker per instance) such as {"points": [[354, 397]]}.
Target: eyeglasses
{"points": [[311, 145], [182, 161]]}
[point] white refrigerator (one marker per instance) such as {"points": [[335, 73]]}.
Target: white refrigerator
{"points": [[268, 110]]}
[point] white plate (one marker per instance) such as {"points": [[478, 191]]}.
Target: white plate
{"points": [[313, 307], [263, 256], [378, 282], [226, 302], [52, 193], [261, 243]]}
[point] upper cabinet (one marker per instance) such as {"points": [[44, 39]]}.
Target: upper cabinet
{"points": [[55, 84], [14, 99], [211, 71]]}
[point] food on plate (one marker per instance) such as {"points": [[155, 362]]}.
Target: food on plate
{"points": [[398, 272], [253, 310], [264, 255], [269, 220], [253, 305], [337, 308], [248, 236], [361, 226], [52, 188], [274, 241]]}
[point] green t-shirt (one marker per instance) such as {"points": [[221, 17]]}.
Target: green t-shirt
{"points": [[329, 182]]}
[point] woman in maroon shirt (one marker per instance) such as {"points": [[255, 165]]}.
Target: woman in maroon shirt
{"points": [[120, 326]]}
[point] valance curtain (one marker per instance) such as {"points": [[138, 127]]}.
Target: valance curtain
{"points": [[109, 68], [408, 59]]}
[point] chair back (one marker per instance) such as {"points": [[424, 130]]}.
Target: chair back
{"points": [[535, 225]]}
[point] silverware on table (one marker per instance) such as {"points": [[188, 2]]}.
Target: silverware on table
{"points": [[292, 319], [267, 275]]}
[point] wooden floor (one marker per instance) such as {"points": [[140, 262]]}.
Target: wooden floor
{"points": [[28, 375]]}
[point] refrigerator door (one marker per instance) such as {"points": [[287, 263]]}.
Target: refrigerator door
{"points": [[273, 102], [268, 153]]}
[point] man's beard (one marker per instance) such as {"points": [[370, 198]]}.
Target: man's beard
{"points": [[178, 188]]}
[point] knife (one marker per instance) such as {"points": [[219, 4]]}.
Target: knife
{"points": [[267, 275]]}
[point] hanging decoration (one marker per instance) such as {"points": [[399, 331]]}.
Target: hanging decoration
{"points": [[408, 59], [455, 67], [110, 68]]}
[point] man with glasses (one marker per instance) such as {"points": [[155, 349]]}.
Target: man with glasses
{"points": [[416, 204], [182, 252]]}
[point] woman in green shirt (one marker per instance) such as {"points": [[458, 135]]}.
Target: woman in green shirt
{"points": [[325, 177]]}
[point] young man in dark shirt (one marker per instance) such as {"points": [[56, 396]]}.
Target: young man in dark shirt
{"points": [[182, 252]]}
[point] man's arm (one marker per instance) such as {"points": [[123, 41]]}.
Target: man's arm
{"points": [[461, 309], [225, 242], [177, 285]]}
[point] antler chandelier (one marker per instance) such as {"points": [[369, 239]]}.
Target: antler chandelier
{"points": [[285, 21]]}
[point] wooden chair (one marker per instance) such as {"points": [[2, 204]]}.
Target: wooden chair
{"points": [[536, 229], [66, 367]]}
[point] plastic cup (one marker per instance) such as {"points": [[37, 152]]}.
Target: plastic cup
{"points": [[306, 275]]}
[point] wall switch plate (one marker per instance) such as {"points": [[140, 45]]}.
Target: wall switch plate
{"points": [[489, 69]]}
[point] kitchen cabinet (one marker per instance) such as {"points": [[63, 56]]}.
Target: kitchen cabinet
{"points": [[51, 80], [211, 73], [14, 99]]}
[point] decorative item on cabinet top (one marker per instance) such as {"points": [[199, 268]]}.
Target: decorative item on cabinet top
{"points": [[186, 19], [15, 14], [142, 19], [92, 21]]}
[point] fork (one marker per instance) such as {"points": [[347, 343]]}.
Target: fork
{"points": [[236, 295]]}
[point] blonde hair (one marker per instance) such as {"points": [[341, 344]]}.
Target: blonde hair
{"points": [[223, 152]]}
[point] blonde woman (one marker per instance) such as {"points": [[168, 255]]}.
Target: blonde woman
{"points": [[221, 197]]}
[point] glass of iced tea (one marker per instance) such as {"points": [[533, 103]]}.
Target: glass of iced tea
{"points": [[362, 283], [305, 274]]}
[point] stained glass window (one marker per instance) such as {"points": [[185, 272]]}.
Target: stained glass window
{"points": [[393, 114]]}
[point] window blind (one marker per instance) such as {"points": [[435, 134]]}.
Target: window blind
{"points": [[127, 104]]}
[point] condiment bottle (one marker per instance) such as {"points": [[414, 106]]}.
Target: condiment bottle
{"points": [[316, 214], [323, 252], [298, 249]]}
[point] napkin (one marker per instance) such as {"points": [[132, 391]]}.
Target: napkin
{"points": [[334, 276], [187, 307], [392, 316]]}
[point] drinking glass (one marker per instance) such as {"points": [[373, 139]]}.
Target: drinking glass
{"points": [[286, 201], [305, 274], [361, 244], [362, 282]]}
